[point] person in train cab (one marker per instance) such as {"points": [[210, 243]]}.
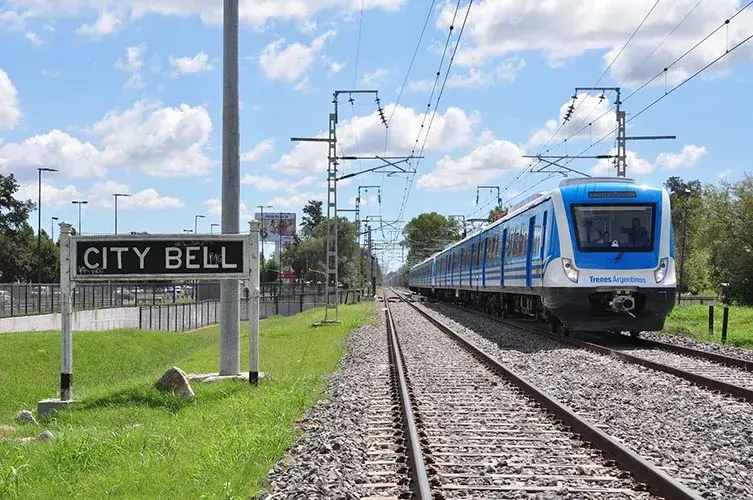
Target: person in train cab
{"points": [[637, 234]]}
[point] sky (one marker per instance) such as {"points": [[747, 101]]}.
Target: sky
{"points": [[126, 96]]}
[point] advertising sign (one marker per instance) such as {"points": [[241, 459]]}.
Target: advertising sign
{"points": [[162, 257], [277, 224]]}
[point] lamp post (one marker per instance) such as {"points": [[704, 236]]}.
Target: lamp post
{"points": [[118, 195], [263, 229], [196, 222], [211, 228], [279, 231], [686, 197], [79, 203], [52, 228], [187, 231], [39, 232]]}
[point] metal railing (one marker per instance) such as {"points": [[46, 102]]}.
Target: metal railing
{"points": [[190, 316], [27, 299]]}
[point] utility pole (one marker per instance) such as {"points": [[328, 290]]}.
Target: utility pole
{"points": [[230, 340], [620, 159], [333, 297], [369, 256]]}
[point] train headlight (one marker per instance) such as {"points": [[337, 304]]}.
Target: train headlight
{"points": [[570, 271], [661, 272]]}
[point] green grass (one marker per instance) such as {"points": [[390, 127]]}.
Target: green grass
{"points": [[219, 446], [694, 321]]}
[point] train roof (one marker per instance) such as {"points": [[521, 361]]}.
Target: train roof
{"points": [[568, 188]]}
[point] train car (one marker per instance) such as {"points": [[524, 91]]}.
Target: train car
{"points": [[593, 254]]}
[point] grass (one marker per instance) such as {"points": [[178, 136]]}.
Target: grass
{"points": [[693, 321], [220, 445]]}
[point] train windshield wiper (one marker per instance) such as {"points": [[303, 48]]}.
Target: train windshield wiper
{"points": [[619, 256]]}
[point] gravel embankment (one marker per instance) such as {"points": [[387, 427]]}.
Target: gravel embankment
{"points": [[328, 460], [691, 343], [702, 439]]}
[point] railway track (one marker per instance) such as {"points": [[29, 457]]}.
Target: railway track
{"points": [[476, 429], [724, 374]]}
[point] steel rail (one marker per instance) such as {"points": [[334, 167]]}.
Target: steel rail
{"points": [[696, 353], [657, 481], [420, 479]]}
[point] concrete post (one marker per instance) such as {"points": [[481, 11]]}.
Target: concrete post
{"points": [[230, 347], [253, 307], [66, 342]]}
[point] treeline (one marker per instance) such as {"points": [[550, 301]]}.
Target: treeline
{"points": [[714, 237], [19, 251], [306, 254]]}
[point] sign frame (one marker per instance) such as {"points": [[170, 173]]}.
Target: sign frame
{"points": [[242, 274]]}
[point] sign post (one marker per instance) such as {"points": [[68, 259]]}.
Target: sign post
{"points": [[253, 307], [164, 257]]}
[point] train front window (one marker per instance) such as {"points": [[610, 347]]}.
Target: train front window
{"points": [[623, 228]]}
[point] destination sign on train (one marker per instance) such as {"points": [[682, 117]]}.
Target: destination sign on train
{"points": [[156, 257]]}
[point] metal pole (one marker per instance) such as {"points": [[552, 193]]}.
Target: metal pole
{"points": [[66, 343], [682, 255], [229, 289], [116, 214], [39, 241], [52, 228], [279, 274], [253, 307]]}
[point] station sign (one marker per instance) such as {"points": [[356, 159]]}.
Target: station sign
{"points": [[159, 257]]}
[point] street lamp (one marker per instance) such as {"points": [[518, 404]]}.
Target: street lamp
{"points": [[211, 228], [39, 230], [263, 229], [118, 195], [686, 197], [196, 222], [79, 203], [52, 228], [187, 231]]}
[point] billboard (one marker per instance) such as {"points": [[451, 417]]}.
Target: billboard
{"points": [[277, 226]]}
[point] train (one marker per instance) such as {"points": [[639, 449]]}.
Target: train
{"points": [[594, 254]]}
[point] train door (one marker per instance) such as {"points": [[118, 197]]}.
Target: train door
{"points": [[530, 250], [543, 242], [452, 268], [483, 263], [502, 253]]}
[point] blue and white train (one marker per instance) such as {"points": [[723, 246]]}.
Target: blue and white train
{"points": [[594, 254]]}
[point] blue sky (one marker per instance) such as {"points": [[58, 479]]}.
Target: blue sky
{"points": [[127, 96]]}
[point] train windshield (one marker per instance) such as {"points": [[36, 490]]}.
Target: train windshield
{"points": [[620, 228]]}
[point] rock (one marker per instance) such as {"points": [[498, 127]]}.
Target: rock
{"points": [[175, 382], [6, 430], [45, 436], [26, 416]]}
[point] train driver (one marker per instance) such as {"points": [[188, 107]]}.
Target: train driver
{"points": [[637, 234]]}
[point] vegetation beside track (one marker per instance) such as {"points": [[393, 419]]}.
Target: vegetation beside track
{"points": [[124, 439], [693, 321]]}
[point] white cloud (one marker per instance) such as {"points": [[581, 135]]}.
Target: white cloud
{"points": [[132, 63], [191, 65], [636, 166], [483, 163], [451, 130], [33, 38], [214, 207], [105, 24], [264, 183], [296, 200], [264, 147], [374, 78], [508, 70], [688, 157], [99, 195], [562, 29], [255, 13], [587, 109], [159, 141], [290, 63], [10, 107]]}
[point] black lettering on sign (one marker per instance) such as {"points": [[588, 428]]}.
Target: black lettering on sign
{"points": [[143, 257]]}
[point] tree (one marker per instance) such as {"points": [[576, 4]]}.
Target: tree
{"points": [[15, 233], [497, 213], [313, 217], [428, 233], [686, 200]]}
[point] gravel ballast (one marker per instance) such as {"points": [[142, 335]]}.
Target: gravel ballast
{"points": [[702, 439], [328, 460], [691, 343]]}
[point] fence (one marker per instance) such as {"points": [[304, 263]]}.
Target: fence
{"points": [[26, 299], [689, 300], [190, 316]]}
